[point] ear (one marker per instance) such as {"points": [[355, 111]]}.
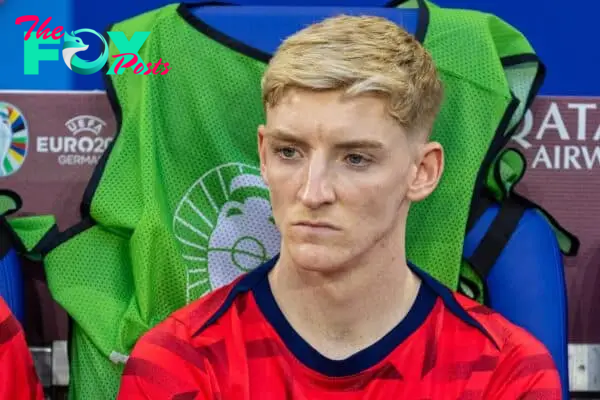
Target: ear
{"points": [[428, 171], [262, 153]]}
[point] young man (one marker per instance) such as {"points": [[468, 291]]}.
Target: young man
{"points": [[18, 378], [340, 313]]}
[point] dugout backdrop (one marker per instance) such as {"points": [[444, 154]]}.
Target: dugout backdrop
{"points": [[69, 125]]}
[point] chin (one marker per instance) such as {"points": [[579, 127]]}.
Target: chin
{"points": [[318, 257]]}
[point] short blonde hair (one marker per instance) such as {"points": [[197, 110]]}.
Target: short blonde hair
{"points": [[359, 54]]}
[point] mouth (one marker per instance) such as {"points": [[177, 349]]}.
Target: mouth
{"points": [[317, 224]]}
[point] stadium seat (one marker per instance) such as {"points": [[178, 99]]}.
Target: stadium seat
{"points": [[526, 284]]}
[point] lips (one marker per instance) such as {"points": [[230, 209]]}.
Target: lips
{"points": [[317, 224]]}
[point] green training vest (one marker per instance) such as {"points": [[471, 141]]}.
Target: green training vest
{"points": [[177, 206]]}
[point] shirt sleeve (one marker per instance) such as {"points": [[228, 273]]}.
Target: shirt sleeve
{"points": [[18, 377], [165, 365], [526, 372]]}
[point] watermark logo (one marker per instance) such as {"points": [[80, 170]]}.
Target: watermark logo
{"points": [[73, 45], [128, 56]]}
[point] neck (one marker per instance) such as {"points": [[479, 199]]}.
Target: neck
{"points": [[336, 314]]}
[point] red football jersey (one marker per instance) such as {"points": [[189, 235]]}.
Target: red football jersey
{"points": [[235, 344], [18, 378]]}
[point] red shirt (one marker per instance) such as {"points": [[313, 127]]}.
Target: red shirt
{"points": [[235, 344], [18, 378]]}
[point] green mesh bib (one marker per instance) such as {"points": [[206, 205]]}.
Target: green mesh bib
{"points": [[177, 207]]}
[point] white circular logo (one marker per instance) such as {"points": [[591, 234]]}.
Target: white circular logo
{"points": [[225, 227]]}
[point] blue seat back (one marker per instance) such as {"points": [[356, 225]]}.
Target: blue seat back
{"points": [[527, 283], [263, 28]]}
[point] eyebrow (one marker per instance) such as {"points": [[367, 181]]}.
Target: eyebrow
{"points": [[350, 144]]}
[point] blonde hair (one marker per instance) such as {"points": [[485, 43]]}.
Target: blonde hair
{"points": [[359, 54]]}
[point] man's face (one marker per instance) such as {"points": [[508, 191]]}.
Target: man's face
{"points": [[339, 172]]}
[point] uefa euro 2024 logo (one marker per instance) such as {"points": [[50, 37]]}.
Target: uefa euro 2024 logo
{"points": [[14, 139], [128, 56]]}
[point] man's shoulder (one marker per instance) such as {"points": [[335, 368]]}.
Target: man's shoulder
{"points": [[521, 363], [199, 312], [192, 321], [188, 320], [178, 334], [480, 323], [212, 305], [509, 338], [171, 358]]}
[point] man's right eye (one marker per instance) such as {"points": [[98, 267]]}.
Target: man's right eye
{"points": [[286, 152]]}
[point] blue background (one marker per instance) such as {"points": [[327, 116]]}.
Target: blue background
{"points": [[563, 36]]}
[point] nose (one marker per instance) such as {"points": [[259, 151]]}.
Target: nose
{"points": [[317, 188]]}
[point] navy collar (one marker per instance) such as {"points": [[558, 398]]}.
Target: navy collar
{"points": [[257, 282]]}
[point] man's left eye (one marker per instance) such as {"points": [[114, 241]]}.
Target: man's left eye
{"points": [[356, 159]]}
